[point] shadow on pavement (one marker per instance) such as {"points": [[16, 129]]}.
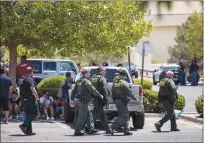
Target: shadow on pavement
{"points": [[160, 132], [17, 135]]}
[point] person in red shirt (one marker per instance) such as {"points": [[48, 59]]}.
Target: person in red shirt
{"points": [[21, 68]]}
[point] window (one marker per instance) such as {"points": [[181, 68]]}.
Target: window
{"points": [[110, 74], [50, 66], [37, 65], [171, 68], [66, 66]]}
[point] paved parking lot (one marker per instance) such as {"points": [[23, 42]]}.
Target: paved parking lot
{"points": [[190, 132]]}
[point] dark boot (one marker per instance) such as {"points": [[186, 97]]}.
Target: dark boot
{"points": [[23, 129], [93, 131], [112, 130], [174, 127], [158, 127], [120, 130], [128, 133], [79, 133]]}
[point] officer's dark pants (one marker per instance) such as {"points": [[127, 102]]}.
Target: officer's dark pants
{"points": [[85, 115], [170, 114], [123, 116], [98, 113], [31, 112]]}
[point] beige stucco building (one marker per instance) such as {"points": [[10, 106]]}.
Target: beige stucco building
{"points": [[165, 25]]}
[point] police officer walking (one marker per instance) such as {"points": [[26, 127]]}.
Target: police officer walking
{"points": [[82, 91], [30, 101], [167, 97], [99, 82], [121, 94]]}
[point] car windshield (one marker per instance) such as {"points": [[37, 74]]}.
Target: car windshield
{"points": [[110, 74], [172, 68], [67, 66]]}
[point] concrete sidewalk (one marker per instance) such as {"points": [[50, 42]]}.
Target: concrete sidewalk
{"points": [[192, 118]]}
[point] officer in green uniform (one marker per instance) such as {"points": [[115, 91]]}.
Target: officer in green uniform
{"points": [[99, 82], [30, 101], [121, 94], [116, 76], [82, 91], [167, 97]]}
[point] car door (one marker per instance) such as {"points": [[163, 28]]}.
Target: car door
{"points": [[67, 66], [49, 69], [37, 64]]}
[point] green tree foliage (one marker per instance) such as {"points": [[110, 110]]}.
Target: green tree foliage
{"points": [[189, 43], [71, 28], [194, 35], [2, 52]]}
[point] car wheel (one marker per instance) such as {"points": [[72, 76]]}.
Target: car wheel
{"points": [[68, 113], [138, 120], [154, 82]]}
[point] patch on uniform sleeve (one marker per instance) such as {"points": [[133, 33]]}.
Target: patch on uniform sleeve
{"points": [[162, 83]]}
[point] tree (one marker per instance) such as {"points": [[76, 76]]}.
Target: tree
{"points": [[194, 35], [184, 51], [2, 52], [71, 28]]}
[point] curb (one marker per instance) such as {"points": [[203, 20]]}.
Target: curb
{"points": [[192, 119]]}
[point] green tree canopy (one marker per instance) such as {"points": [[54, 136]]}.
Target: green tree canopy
{"points": [[71, 28], [189, 41]]}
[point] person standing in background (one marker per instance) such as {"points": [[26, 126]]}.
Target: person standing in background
{"points": [[182, 74], [193, 71], [21, 68], [6, 89]]}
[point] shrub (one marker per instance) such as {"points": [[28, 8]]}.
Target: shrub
{"points": [[151, 103], [146, 83], [51, 84], [180, 103], [199, 104], [188, 78]]}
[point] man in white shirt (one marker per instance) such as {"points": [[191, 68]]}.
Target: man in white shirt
{"points": [[46, 102]]}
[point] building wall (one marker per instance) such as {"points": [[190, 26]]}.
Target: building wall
{"points": [[165, 23], [160, 38]]}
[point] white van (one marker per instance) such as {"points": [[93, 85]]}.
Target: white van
{"points": [[45, 68]]}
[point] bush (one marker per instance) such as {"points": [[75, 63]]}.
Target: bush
{"points": [[188, 78], [180, 103], [151, 103], [51, 84], [146, 83], [199, 104]]}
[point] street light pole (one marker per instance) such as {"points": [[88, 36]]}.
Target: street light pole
{"points": [[129, 57], [143, 55]]}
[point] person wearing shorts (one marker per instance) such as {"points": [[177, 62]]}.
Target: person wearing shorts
{"points": [[5, 90], [14, 105], [58, 107]]}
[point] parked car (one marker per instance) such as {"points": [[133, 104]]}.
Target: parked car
{"points": [[174, 68], [136, 110], [133, 70], [45, 68]]}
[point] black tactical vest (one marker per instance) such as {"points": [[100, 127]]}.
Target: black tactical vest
{"points": [[25, 91]]}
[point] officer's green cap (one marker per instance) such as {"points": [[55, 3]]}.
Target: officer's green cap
{"points": [[121, 72]]}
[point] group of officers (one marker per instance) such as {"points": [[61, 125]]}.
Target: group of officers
{"points": [[96, 91]]}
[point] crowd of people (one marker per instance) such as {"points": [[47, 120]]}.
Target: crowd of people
{"points": [[193, 72]]}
